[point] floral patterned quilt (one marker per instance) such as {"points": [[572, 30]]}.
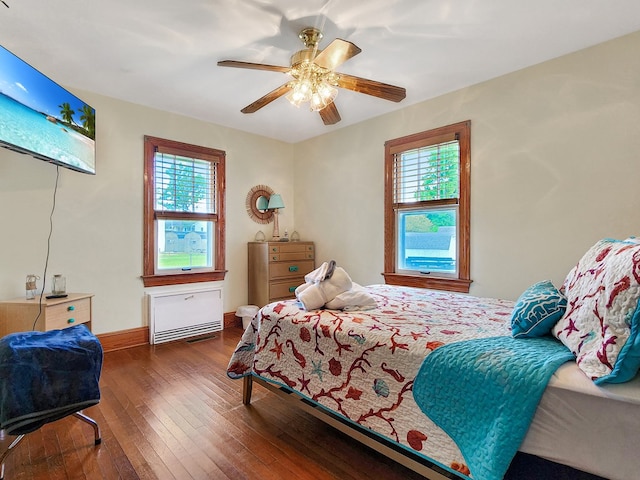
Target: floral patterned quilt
{"points": [[362, 364]]}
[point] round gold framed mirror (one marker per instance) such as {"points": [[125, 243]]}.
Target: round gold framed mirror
{"points": [[256, 203]]}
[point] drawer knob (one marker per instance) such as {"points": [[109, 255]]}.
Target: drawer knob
{"points": [[71, 320], [293, 268], [71, 308], [274, 258], [292, 289]]}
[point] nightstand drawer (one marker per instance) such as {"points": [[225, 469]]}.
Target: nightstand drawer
{"points": [[69, 313], [290, 269]]}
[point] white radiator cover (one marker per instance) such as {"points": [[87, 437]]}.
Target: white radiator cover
{"points": [[184, 314]]}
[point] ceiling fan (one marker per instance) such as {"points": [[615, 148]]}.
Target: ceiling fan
{"points": [[315, 79]]}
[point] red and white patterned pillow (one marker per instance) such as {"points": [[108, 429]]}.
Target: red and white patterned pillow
{"points": [[601, 322]]}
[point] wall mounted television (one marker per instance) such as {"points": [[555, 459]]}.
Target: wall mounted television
{"points": [[40, 118]]}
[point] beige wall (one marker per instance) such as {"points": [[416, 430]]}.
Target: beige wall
{"points": [[555, 167], [97, 224]]}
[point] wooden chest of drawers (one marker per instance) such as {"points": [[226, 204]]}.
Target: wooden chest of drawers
{"points": [[19, 315], [277, 268]]}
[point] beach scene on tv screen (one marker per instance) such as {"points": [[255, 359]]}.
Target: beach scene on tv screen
{"points": [[39, 116]]}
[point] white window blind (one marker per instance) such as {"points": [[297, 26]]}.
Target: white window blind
{"points": [[184, 184], [427, 173]]}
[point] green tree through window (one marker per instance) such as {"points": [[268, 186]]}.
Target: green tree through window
{"points": [[441, 178], [184, 184]]}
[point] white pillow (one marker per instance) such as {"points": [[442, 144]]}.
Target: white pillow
{"points": [[601, 322]]}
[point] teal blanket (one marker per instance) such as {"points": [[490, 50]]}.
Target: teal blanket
{"points": [[484, 393]]}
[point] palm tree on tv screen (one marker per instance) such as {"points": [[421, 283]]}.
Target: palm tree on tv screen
{"points": [[88, 119], [66, 112]]}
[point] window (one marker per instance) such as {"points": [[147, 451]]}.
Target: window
{"points": [[427, 209], [183, 213]]}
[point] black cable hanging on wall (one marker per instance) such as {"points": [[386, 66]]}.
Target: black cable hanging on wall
{"points": [[46, 261]]}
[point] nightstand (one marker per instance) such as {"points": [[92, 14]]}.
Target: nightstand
{"points": [[19, 314]]}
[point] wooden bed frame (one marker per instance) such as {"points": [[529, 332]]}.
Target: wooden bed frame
{"points": [[385, 447]]}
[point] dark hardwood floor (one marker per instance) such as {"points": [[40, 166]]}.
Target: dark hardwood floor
{"points": [[170, 412]]}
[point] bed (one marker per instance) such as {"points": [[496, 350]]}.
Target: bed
{"points": [[366, 371]]}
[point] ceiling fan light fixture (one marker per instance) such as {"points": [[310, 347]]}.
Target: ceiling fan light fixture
{"points": [[301, 92], [293, 99], [316, 102], [322, 96]]}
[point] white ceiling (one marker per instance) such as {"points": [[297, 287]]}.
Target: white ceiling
{"points": [[163, 53]]}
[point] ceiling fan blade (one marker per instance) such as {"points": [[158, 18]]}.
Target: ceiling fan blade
{"points": [[329, 114], [267, 99], [336, 53], [253, 66], [371, 87]]}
